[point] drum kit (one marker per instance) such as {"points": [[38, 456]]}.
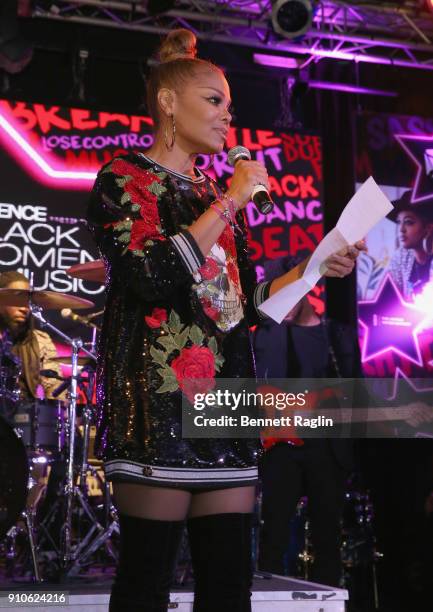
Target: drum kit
{"points": [[358, 546], [45, 433]]}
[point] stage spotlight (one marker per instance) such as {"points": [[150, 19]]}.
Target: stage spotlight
{"points": [[429, 5], [292, 18]]}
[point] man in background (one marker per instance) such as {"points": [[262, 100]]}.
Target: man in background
{"points": [[304, 346], [33, 347]]}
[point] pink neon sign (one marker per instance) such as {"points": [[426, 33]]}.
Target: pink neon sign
{"points": [[34, 161]]}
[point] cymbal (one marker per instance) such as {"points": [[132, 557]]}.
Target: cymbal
{"points": [[64, 360], [91, 271], [53, 300]]}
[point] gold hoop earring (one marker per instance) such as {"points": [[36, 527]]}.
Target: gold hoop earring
{"points": [[427, 244], [170, 144]]}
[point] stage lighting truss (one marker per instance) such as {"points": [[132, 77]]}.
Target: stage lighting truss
{"points": [[390, 33]]}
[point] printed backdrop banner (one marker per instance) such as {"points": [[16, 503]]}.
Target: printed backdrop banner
{"points": [[49, 157], [395, 278]]}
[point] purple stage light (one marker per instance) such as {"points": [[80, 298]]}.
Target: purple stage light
{"points": [[355, 89], [275, 61], [281, 61], [355, 56]]}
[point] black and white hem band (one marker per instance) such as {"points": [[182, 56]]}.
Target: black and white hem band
{"points": [[122, 467]]}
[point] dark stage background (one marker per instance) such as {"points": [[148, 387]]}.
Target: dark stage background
{"points": [[340, 151], [48, 160], [114, 77]]}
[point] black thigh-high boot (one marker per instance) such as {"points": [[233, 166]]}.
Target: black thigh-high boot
{"points": [[147, 558], [221, 557]]}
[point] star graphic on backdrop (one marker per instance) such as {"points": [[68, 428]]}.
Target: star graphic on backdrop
{"points": [[420, 150], [390, 324], [413, 395], [402, 383]]}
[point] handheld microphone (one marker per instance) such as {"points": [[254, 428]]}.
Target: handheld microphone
{"points": [[260, 195], [67, 313]]}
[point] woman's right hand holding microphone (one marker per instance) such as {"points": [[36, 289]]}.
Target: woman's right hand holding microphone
{"points": [[246, 176]]}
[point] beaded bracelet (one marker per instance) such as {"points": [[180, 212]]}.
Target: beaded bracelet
{"points": [[231, 208], [224, 216], [229, 213], [230, 205]]}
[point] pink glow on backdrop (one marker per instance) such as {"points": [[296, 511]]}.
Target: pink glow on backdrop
{"points": [[420, 170], [424, 301], [35, 163], [389, 346], [400, 375]]}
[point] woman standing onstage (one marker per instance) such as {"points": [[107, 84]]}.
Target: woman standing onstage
{"points": [[180, 296]]}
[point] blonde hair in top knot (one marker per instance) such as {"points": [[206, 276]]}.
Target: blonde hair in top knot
{"points": [[177, 65], [178, 44]]}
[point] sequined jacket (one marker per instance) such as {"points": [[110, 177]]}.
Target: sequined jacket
{"points": [[401, 266], [171, 314]]}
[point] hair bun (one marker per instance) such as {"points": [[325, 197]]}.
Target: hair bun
{"points": [[178, 44]]}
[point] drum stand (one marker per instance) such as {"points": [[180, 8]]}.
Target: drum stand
{"points": [[306, 556], [88, 547], [71, 491], [103, 538], [28, 516]]}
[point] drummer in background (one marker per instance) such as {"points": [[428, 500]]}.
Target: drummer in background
{"points": [[36, 351], [33, 347]]}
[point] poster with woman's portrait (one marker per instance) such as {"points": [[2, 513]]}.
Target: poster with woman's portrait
{"points": [[395, 277]]}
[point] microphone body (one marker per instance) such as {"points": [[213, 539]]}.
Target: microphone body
{"points": [[260, 195], [67, 313]]}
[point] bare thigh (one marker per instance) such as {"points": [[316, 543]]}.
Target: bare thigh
{"points": [[156, 503], [223, 501]]}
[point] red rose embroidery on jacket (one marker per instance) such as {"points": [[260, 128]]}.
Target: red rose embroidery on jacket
{"points": [[195, 370], [209, 269], [158, 316], [136, 183]]}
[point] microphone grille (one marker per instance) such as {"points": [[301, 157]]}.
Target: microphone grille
{"points": [[66, 312], [236, 153]]}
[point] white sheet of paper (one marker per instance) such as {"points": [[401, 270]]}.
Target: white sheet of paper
{"points": [[332, 242], [366, 208], [428, 161], [282, 302]]}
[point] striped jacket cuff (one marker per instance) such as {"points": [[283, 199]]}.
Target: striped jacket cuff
{"points": [[188, 250], [261, 293]]}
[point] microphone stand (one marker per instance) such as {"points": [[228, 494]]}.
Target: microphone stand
{"points": [[76, 345]]}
